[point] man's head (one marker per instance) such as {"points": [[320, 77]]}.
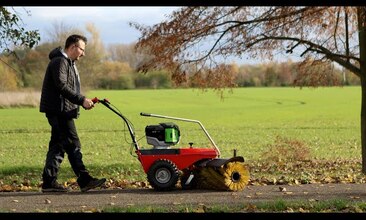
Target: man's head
{"points": [[75, 46]]}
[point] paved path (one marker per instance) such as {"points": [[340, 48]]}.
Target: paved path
{"points": [[98, 199]]}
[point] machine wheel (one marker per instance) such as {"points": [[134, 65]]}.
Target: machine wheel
{"points": [[163, 175], [183, 179]]}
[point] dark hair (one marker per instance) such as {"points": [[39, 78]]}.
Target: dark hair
{"points": [[73, 39]]}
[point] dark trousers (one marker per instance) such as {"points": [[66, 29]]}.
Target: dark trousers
{"points": [[64, 138]]}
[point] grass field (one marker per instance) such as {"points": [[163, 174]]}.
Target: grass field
{"points": [[326, 120]]}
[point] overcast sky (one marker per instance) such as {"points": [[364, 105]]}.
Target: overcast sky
{"points": [[112, 22]]}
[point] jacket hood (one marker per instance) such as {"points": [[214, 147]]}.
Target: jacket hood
{"points": [[55, 53]]}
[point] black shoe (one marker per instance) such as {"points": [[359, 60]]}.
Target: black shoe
{"points": [[93, 183], [55, 187]]}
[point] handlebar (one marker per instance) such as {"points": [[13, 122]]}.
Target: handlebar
{"points": [[107, 104], [145, 114], [96, 100], [187, 120]]}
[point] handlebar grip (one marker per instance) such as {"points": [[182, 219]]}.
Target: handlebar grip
{"points": [[145, 114], [95, 100]]}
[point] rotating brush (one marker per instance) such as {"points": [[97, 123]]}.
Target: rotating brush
{"points": [[233, 176]]}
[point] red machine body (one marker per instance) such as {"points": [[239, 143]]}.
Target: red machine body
{"points": [[164, 166], [183, 158]]}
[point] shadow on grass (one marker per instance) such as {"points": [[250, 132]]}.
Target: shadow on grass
{"points": [[16, 174]]}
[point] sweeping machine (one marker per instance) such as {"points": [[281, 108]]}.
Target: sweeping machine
{"points": [[191, 167]]}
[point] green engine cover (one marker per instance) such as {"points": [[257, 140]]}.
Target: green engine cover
{"points": [[162, 135], [171, 135]]}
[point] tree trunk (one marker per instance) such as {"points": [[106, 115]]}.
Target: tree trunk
{"points": [[363, 123], [361, 12]]}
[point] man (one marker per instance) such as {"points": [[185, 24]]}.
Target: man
{"points": [[60, 101]]}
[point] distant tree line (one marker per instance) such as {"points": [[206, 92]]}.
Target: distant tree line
{"points": [[115, 67]]}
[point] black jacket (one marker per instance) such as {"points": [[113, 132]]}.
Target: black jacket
{"points": [[61, 88]]}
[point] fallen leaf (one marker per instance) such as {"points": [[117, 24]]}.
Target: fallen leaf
{"points": [[282, 189], [301, 210], [251, 208], [199, 210], [7, 188]]}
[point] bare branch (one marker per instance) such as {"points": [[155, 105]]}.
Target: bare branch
{"points": [[347, 40], [339, 58], [335, 29]]}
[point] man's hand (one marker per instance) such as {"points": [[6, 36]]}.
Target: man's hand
{"points": [[88, 104]]}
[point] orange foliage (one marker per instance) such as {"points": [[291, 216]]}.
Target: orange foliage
{"points": [[201, 36]]}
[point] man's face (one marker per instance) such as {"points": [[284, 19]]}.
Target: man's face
{"points": [[78, 50]]}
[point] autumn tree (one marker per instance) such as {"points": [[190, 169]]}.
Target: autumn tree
{"points": [[30, 64], [203, 35], [95, 53], [12, 32], [59, 32], [124, 53], [8, 77], [13, 36]]}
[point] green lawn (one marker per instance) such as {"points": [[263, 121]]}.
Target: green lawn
{"points": [[327, 120]]}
